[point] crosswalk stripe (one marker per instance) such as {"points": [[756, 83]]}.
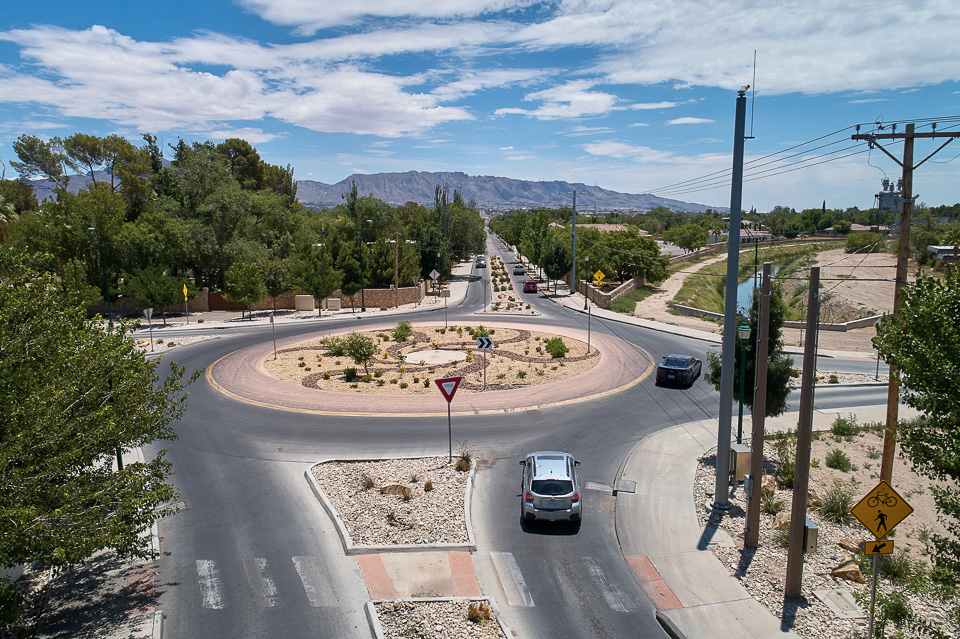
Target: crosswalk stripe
{"points": [[209, 579], [310, 576], [512, 581], [261, 581], [614, 597]]}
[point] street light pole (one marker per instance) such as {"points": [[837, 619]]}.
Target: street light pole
{"points": [[744, 334], [363, 304], [103, 269]]}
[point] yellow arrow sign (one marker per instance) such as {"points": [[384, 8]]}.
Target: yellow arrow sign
{"points": [[184, 292], [881, 510], [884, 547]]}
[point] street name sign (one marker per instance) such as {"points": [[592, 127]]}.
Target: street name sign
{"points": [[881, 510]]}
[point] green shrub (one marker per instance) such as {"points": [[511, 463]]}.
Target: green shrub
{"points": [[836, 505], [403, 384], [521, 374], [867, 242], [833, 380], [781, 537], [556, 347], [771, 505], [426, 383], [367, 378], [326, 375], [349, 373], [784, 444], [381, 382], [895, 566], [378, 373], [843, 427], [402, 331], [337, 346], [838, 459]]}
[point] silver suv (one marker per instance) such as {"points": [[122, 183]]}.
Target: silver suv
{"points": [[550, 487]]}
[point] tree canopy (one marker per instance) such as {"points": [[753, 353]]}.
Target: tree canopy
{"points": [[923, 342], [72, 396]]}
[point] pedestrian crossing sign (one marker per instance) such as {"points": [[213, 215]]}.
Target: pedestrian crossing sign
{"points": [[881, 510]]}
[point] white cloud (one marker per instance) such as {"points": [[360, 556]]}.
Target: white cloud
{"points": [[506, 148], [252, 135], [520, 158], [615, 149], [581, 130], [868, 100], [689, 121], [474, 81], [635, 124], [570, 100], [648, 106]]}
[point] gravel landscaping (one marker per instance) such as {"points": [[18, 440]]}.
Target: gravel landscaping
{"points": [[435, 620], [433, 516]]}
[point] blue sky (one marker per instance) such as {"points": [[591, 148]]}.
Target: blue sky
{"points": [[631, 95]]}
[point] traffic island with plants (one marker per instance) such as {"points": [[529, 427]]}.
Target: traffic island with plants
{"points": [[914, 599], [398, 361]]}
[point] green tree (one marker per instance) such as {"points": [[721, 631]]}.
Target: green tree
{"points": [[361, 348], [780, 368], [245, 284], [557, 259], [38, 158], [277, 278], [72, 396], [316, 275], [923, 342], [153, 288]]}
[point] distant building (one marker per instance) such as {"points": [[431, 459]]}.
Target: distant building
{"points": [[943, 254]]}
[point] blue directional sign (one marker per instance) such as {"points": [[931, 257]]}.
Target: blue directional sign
{"points": [[484, 343]]}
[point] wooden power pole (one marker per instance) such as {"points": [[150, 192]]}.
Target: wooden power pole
{"points": [[903, 253]]}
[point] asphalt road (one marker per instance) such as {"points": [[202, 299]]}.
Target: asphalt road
{"points": [[253, 555]]}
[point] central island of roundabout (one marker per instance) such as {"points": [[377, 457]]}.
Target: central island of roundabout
{"points": [[309, 374]]}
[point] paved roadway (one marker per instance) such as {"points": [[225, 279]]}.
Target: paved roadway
{"points": [[253, 555]]}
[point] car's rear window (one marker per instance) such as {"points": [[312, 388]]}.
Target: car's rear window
{"points": [[552, 486], [676, 362]]}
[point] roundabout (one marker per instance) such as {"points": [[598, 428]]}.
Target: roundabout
{"points": [[253, 375]]}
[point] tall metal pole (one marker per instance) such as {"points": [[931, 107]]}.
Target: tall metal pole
{"points": [[751, 535], [586, 267], [722, 491], [573, 246], [743, 374], [801, 480]]}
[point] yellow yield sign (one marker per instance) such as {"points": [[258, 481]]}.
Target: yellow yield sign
{"points": [[598, 277], [881, 510]]}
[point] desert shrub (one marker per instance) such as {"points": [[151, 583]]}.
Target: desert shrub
{"points": [[367, 378], [426, 383], [402, 331], [394, 381], [366, 481], [464, 458], [521, 374], [326, 375], [781, 537], [479, 611], [556, 347], [337, 346], [844, 427], [867, 242], [381, 382], [836, 505], [771, 505], [349, 373], [833, 379], [895, 566], [427, 487], [378, 374], [403, 384], [873, 452], [838, 459], [302, 364], [784, 445]]}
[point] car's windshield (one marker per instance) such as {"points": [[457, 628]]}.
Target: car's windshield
{"points": [[676, 362], [552, 486]]}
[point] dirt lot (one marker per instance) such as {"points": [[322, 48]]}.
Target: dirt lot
{"points": [[855, 280]]}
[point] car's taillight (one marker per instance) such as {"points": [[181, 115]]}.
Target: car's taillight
{"points": [[528, 496], [576, 497]]}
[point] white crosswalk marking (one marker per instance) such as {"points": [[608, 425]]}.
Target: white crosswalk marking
{"points": [[260, 580], [512, 581], [209, 579], [614, 597], [311, 576]]}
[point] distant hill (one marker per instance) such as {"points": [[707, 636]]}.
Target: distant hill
{"points": [[487, 191]]}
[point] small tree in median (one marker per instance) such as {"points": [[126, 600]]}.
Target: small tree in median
{"points": [[361, 348]]}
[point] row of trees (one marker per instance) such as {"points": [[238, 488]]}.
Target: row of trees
{"points": [[218, 216]]}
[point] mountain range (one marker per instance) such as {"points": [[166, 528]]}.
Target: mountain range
{"points": [[489, 192]]}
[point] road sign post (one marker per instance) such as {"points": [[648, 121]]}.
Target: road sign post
{"points": [[880, 511], [272, 324], [484, 344], [448, 388], [148, 313]]}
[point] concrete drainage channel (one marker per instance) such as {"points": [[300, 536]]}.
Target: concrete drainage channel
{"points": [[429, 587]]}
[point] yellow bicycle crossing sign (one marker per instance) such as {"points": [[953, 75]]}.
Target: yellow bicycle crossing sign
{"points": [[881, 510], [598, 277]]}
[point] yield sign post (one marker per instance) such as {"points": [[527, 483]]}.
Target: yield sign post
{"points": [[448, 388]]}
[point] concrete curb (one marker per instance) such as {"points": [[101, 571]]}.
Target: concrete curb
{"points": [[352, 549], [669, 627], [377, 629]]}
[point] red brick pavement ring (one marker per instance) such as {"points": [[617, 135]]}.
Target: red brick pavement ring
{"points": [[242, 376]]}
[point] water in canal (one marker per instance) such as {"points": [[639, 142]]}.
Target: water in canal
{"points": [[745, 288]]}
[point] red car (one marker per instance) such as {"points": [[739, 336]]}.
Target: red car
{"points": [[530, 286]]}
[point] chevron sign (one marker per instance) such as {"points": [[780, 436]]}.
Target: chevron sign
{"points": [[484, 343]]}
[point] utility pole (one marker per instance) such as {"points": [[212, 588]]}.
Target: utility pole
{"points": [[903, 252], [801, 479], [396, 269], [751, 536], [573, 246], [721, 498]]}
